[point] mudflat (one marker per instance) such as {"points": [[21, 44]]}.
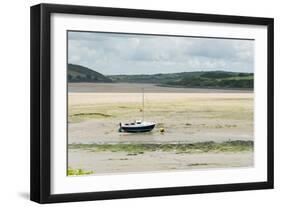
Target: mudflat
{"points": [[186, 115], [120, 162], [148, 87]]}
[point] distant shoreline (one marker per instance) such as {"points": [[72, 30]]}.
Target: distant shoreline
{"points": [[89, 87], [205, 87]]}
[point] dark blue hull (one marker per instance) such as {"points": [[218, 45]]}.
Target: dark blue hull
{"points": [[138, 129]]}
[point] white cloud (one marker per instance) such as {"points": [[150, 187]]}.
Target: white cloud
{"points": [[111, 53]]}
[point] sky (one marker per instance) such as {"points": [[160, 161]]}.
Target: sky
{"points": [[117, 53]]}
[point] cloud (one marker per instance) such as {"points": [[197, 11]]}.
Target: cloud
{"points": [[111, 53]]}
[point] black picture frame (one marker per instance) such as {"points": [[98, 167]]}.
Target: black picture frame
{"points": [[41, 102]]}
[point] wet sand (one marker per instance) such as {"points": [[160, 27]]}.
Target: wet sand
{"points": [[136, 88], [105, 162], [187, 115]]}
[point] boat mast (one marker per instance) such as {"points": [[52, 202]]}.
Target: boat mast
{"points": [[142, 104]]}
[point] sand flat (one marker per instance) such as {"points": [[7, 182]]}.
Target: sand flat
{"points": [[187, 117], [120, 162], [76, 98]]}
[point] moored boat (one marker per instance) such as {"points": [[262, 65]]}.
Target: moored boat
{"points": [[139, 125]]}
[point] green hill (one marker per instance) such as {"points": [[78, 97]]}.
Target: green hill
{"points": [[154, 78], [201, 79], [78, 73]]}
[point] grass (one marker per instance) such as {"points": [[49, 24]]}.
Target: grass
{"points": [[198, 164], [78, 117], [199, 147], [77, 172], [92, 114], [79, 113]]}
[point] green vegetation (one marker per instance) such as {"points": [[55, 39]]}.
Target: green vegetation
{"points": [[201, 79], [78, 73], [92, 114], [199, 147], [212, 79], [198, 164], [85, 116], [75, 172], [154, 78], [232, 82]]}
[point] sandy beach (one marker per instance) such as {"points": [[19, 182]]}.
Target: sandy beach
{"points": [[104, 162], [187, 115]]}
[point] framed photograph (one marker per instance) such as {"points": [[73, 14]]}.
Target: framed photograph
{"points": [[132, 103]]}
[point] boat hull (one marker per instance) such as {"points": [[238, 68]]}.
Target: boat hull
{"points": [[137, 129]]}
